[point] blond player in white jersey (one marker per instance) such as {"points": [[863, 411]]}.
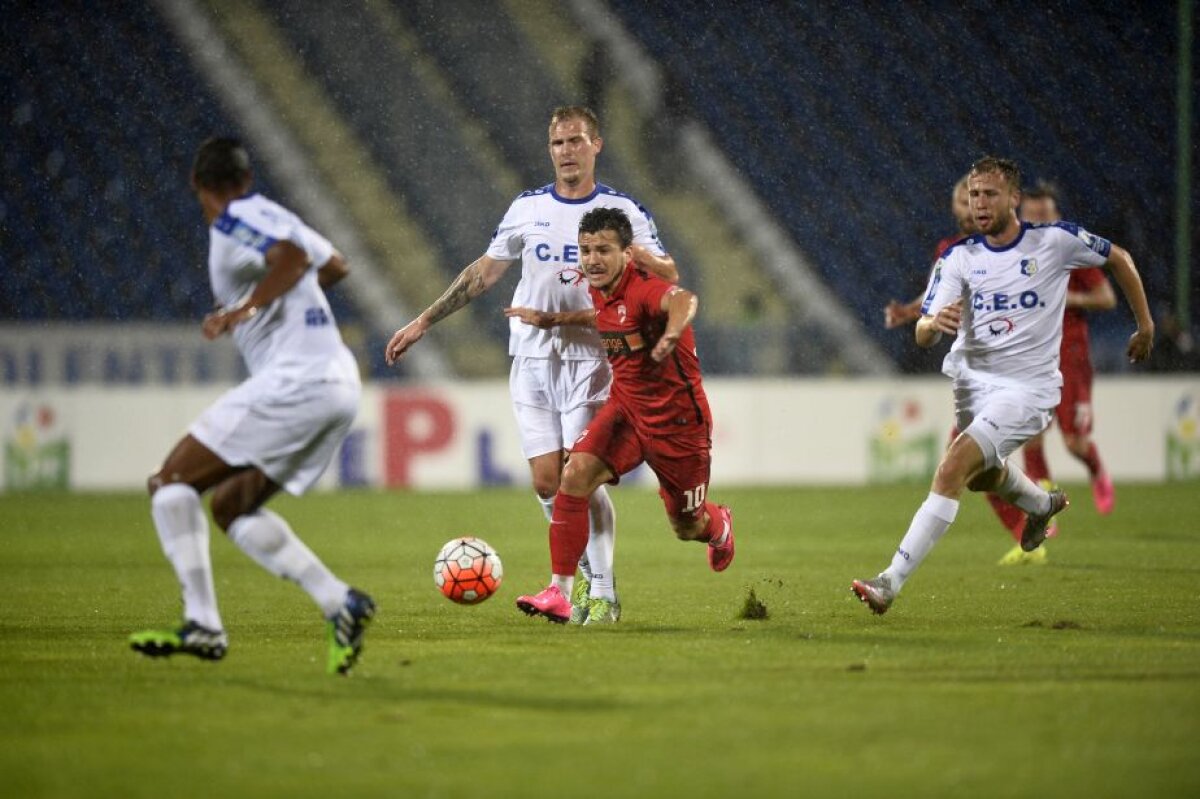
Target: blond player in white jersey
{"points": [[1001, 292], [278, 429], [559, 377]]}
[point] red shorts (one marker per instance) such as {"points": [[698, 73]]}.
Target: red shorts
{"points": [[1074, 412], [681, 462]]}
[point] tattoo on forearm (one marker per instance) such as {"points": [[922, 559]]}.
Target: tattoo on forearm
{"points": [[466, 287]]}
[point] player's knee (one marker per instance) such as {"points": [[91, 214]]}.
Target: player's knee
{"points": [[1078, 445], [575, 480], [949, 477], [546, 487]]}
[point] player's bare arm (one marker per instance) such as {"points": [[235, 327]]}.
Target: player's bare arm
{"points": [[333, 271], [897, 313], [286, 264], [681, 306], [1100, 297], [479, 276], [947, 320], [549, 319], [1124, 271], [661, 265]]}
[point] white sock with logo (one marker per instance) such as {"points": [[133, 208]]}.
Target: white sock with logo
{"points": [[268, 539], [183, 532], [928, 525], [1019, 490], [602, 544]]}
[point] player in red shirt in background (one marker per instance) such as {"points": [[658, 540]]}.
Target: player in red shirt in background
{"points": [[656, 413], [1088, 290], [898, 313]]}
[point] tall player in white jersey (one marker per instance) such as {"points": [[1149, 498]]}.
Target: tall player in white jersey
{"points": [[278, 429], [1001, 292], [560, 376]]}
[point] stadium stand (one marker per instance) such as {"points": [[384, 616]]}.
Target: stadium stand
{"points": [[98, 223], [873, 111]]}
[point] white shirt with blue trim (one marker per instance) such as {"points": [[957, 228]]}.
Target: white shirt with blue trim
{"points": [[542, 229], [1013, 300], [296, 334]]}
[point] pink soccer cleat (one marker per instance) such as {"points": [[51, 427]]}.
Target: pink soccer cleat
{"points": [[549, 603], [720, 557], [1103, 494]]}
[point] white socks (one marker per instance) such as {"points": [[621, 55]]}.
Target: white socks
{"points": [[602, 542], [1023, 492], [270, 542], [565, 583], [183, 531], [931, 521]]}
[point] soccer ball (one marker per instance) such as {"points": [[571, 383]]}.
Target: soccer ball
{"points": [[467, 570]]}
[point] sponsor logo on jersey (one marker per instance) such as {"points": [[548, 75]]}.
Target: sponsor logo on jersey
{"points": [[1001, 327], [571, 276], [1029, 267], [999, 301], [539, 223], [621, 312], [617, 345], [569, 255]]}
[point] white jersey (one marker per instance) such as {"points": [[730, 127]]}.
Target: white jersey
{"points": [[295, 335], [542, 229], [1013, 300]]}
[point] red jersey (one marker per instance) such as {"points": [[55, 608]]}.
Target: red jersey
{"points": [[661, 399], [1075, 328], [946, 242]]}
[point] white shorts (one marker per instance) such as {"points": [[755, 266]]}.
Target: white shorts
{"points": [[290, 429], [1000, 419], [554, 400]]}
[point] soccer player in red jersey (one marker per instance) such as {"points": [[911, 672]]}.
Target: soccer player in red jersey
{"points": [[1088, 290], [897, 313], [656, 413]]}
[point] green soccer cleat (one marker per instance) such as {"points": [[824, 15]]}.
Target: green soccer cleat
{"points": [[346, 630], [1019, 557], [603, 611], [579, 600], [190, 639]]}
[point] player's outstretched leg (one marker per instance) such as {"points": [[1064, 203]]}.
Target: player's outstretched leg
{"points": [[1037, 523], [346, 629], [190, 639]]}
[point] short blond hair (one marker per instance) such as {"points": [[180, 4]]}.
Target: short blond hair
{"points": [[566, 112]]}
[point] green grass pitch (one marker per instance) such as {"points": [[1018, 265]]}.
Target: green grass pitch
{"points": [[1077, 678]]}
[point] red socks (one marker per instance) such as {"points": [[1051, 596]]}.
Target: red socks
{"points": [[1035, 464], [1092, 461], [568, 533], [1012, 517]]}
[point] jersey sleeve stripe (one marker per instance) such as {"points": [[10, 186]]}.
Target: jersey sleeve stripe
{"points": [[244, 233]]}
